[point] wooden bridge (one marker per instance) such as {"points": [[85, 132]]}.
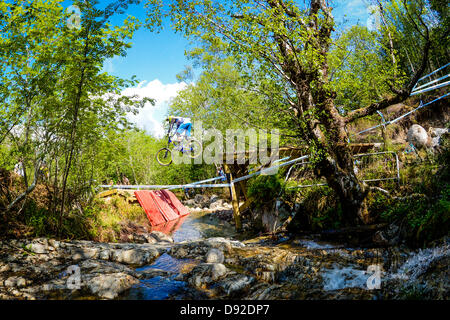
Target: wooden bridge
{"points": [[237, 174]]}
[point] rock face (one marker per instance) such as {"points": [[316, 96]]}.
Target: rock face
{"points": [[206, 273], [418, 136]]}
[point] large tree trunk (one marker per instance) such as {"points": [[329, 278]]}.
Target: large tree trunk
{"points": [[351, 191], [336, 162]]}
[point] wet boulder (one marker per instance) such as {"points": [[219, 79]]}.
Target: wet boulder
{"points": [[201, 200], [217, 205], [137, 257], [161, 237], [206, 273], [109, 286], [213, 198], [190, 203]]}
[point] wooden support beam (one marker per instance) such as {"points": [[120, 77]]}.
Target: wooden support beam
{"points": [[245, 205], [234, 197], [235, 204], [107, 193]]}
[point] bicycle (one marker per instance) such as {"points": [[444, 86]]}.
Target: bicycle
{"points": [[184, 144]]}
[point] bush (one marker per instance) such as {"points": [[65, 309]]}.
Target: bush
{"points": [[425, 212], [265, 189]]}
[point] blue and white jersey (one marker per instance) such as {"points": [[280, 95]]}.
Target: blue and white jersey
{"points": [[180, 120]]}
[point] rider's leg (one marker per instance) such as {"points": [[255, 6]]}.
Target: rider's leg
{"points": [[185, 128], [188, 130]]}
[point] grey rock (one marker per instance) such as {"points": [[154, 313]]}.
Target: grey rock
{"points": [[190, 203], [85, 253], [418, 136], [213, 198], [109, 286], [436, 136], [237, 283], [5, 268], [214, 256], [105, 255], [39, 248], [437, 132], [54, 243], [226, 205], [15, 282], [161, 237], [217, 205], [199, 199], [135, 256], [206, 273], [223, 244]]}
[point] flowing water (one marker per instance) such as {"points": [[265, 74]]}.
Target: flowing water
{"points": [[197, 225], [160, 287], [339, 267]]}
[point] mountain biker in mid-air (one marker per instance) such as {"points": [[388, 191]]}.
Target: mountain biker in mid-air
{"points": [[183, 125], [179, 139]]}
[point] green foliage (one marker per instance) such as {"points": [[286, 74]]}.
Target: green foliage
{"points": [[360, 70], [224, 98], [264, 189], [426, 212], [407, 34], [426, 220]]}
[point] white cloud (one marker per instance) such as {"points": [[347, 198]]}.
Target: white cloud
{"points": [[151, 117]]}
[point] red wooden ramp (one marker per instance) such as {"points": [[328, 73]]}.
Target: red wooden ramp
{"points": [[160, 206]]}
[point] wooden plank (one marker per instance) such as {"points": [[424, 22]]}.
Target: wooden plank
{"points": [[166, 210], [234, 196], [173, 201], [107, 193], [148, 204], [245, 205], [235, 205]]}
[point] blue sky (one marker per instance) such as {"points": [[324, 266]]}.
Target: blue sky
{"points": [[156, 58], [161, 55]]}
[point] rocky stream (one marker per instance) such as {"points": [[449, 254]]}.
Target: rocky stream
{"points": [[203, 260]]}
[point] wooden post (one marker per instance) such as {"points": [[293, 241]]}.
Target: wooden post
{"points": [[234, 197]]}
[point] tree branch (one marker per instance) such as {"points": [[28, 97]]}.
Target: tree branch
{"points": [[401, 94], [28, 190]]}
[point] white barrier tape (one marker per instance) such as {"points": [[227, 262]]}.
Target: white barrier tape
{"points": [[200, 182], [269, 169], [430, 74], [431, 88], [431, 82], [404, 115]]}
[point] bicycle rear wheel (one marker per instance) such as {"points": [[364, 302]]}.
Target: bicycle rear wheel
{"points": [[164, 156]]}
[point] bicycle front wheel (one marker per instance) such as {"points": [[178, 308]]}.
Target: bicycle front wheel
{"points": [[164, 156], [193, 148]]}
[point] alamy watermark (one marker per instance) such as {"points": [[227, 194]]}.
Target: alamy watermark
{"points": [[374, 20], [250, 146], [74, 21], [374, 280], [74, 279]]}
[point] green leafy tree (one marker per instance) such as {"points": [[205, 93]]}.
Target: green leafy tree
{"points": [[290, 45], [57, 103]]}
